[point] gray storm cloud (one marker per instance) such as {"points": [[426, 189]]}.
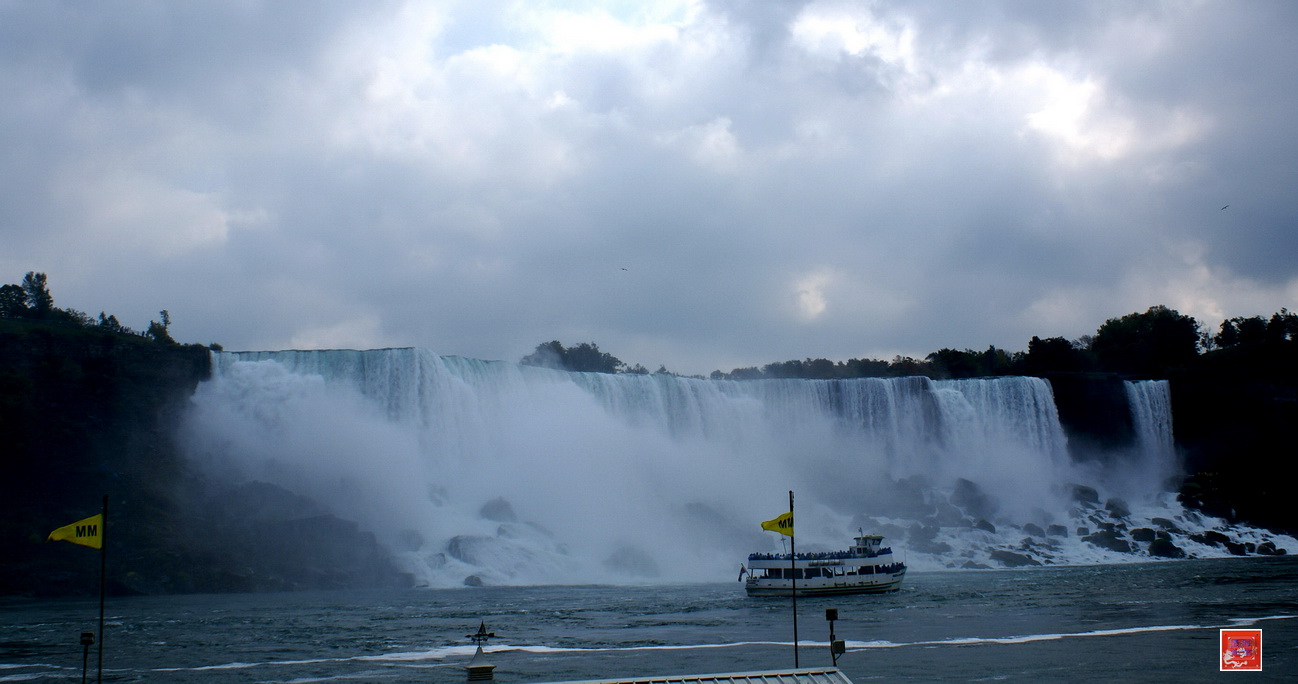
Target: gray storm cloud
{"points": [[701, 185]]}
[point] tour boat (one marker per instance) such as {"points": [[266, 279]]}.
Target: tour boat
{"points": [[866, 568]]}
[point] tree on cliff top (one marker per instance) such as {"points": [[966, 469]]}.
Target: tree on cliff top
{"points": [[1147, 344], [1055, 354], [585, 357], [158, 331], [1255, 330], [32, 301], [13, 301], [39, 299]]}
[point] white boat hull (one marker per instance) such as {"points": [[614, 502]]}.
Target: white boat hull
{"points": [[874, 584]]}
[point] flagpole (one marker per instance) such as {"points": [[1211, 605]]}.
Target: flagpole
{"points": [[103, 569], [793, 574]]}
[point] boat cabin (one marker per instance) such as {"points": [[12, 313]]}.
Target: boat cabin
{"points": [[867, 545]]}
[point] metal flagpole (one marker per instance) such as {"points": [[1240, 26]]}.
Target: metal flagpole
{"points": [[793, 573], [103, 568]]}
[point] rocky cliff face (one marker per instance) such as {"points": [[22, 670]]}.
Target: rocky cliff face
{"points": [[1093, 410], [1233, 414], [1235, 419], [85, 413]]}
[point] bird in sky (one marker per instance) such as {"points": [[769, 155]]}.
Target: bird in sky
{"points": [[1224, 208]]}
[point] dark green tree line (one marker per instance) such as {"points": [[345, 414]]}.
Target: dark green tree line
{"points": [[32, 301], [1255, 330], [1156, 343]]}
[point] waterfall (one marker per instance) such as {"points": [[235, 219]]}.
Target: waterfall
{"points": [[1151, 419], [1151, 414], [517, 474]]}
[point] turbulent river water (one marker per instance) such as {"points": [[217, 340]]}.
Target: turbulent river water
{"points": [[1133, 622]]}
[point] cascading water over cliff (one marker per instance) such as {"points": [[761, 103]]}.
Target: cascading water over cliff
{"points": [[498, 473]]}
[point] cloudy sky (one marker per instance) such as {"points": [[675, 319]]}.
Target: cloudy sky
{"points": [[702, 185]]}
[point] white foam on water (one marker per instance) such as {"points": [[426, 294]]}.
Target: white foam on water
{"points": [[1055, 636]]}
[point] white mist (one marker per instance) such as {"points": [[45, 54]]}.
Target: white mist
{"points": [[627, 478]]}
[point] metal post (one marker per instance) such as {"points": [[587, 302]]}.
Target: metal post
{"points": [[793, 573], [836, 647], [103, 570], [87, 638]]}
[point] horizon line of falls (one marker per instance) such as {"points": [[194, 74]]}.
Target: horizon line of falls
{"points": [[496, 473]]}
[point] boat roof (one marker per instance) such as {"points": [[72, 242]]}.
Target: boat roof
{"points": [[806, 675]]}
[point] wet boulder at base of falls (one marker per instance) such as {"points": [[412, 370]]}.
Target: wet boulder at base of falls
{"points": [[921, 538], [1012, 560], [1057, 531], [936, 548], [1164, 548], [1167, 525], [1268, 548], [968, 496], [948, 515], [345, 555], [472, 549], [257, 536], [525, 530], [921, 533], [1109, 539], [1117, 508], [1210, 538], [498, 510], [1034, 530], [1086, 495], [1143, 534]]}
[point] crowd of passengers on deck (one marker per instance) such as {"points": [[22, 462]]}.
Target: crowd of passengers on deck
{"points": [[826, 555]]}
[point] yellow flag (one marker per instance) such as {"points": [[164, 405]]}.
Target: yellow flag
{"points": [[88, 532], [782, 524]]}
